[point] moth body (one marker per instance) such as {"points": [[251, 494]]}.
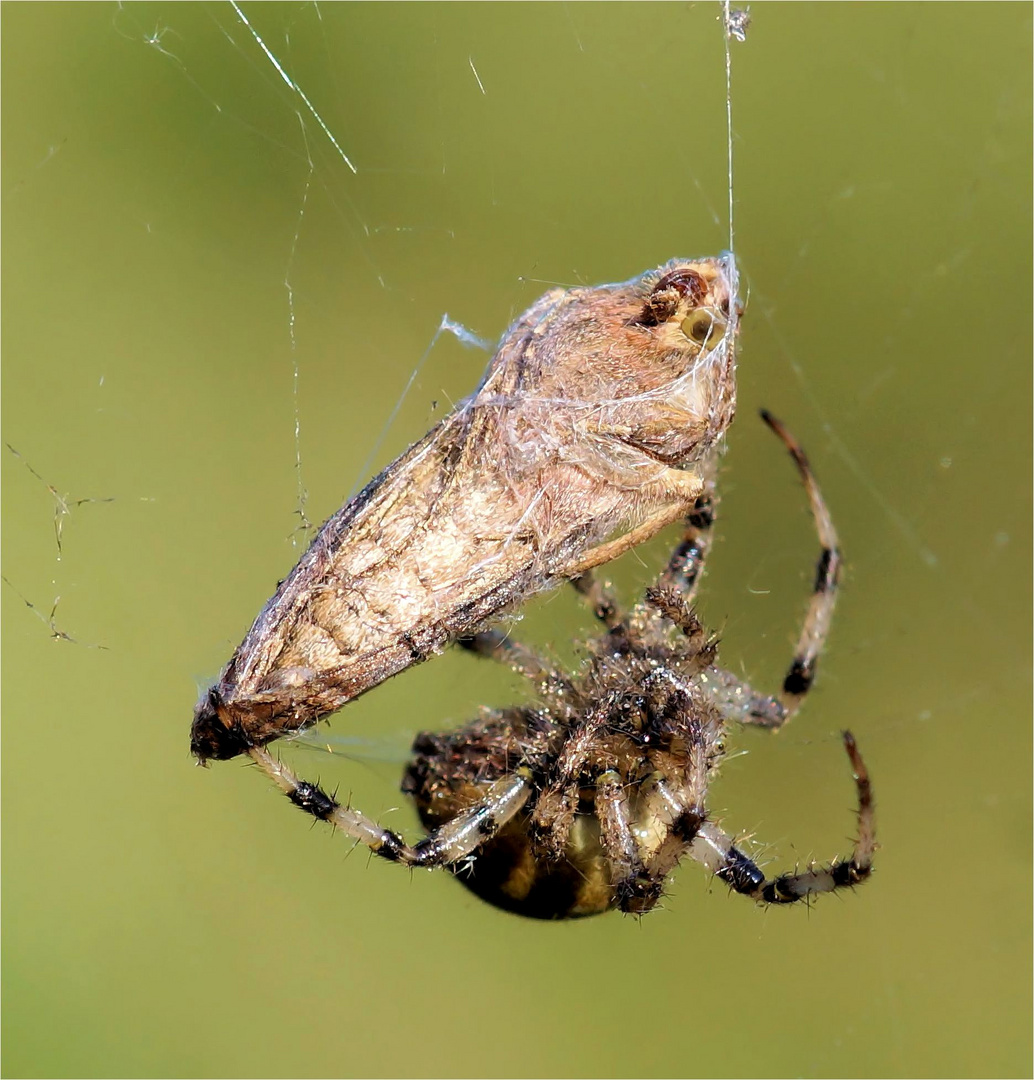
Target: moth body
{"points": [[597, 415]]}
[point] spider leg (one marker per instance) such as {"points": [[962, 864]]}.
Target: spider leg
{"points": [[686, 563], [498, 645], [451, 842], [557, 803], [552, 819], [552, 684], [616, 835], [738, 701], [718, 853], [639, 884], [673, 801], [602, 600], [697, 653]]}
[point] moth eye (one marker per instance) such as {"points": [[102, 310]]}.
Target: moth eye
{"points": [[703, 328]]}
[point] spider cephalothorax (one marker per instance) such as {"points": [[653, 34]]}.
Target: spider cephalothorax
{"points": [[588, 800]]}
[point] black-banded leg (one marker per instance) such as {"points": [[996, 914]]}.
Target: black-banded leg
{"points": [[720, 855], [740, 702], [455, 840], [686, 564], [672, 804]]}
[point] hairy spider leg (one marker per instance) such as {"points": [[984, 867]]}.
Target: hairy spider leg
{"points": [[674, 801], [556, 807], [602, 601], [718, 853], [498, 645], [614, 813], [554, 687], [638, 876], [686, 565], [455, 840], [735, 698]]}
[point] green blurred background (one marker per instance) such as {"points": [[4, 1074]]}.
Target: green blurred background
{"points": [[158, 200]]}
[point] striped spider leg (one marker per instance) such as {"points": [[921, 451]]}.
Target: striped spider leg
{"points": [[737, 700], [449, 844]]}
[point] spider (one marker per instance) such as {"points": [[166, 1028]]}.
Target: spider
{"points": [[587, 801]]}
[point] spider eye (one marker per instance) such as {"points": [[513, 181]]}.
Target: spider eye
{"points": [[703, 328]]}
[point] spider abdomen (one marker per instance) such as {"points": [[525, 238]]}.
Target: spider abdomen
{"points": [[510, 873], [557, 872]]}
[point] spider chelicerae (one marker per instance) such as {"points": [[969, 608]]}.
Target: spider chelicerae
{"points": [[589, 799]]}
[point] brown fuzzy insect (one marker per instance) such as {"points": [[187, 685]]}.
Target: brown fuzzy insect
{"points": [[600, 412]]}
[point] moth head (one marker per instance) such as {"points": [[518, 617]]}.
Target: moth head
{"points": [[692, 305]]}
